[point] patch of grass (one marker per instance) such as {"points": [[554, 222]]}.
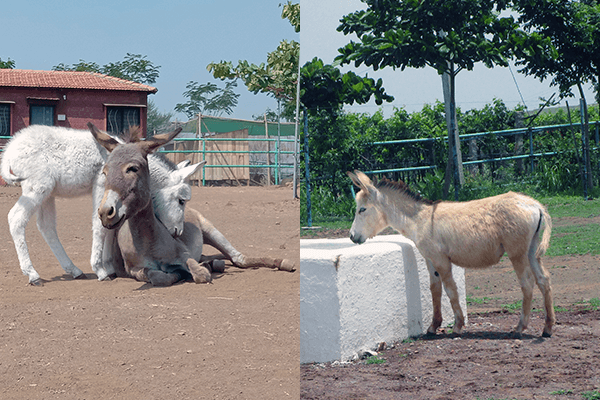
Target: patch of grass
{"points": [[582, 239], [493, 398], [478, 300], [593, 395], [594, 304], [571, 206], [375, 360], [324, 226], [513, 307], [560, 309], [561, 392]]}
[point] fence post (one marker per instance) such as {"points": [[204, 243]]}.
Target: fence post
{"points": [[519, 123], [597, 142], [203, 148], [278, 176], [585, 147], [268, 150], [307, 171], [530, 131]]}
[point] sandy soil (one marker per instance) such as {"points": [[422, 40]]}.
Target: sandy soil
{"points": [[237, 338], [487, 362]]}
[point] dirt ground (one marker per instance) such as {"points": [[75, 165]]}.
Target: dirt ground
{"points": [[237, 338], [487, 362]]}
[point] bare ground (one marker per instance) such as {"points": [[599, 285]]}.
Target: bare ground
{"points": [[237, 338], [486, 361]]}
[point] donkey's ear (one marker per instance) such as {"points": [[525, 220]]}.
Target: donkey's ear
{"points": [[185, 172], [183, 164], [360, 179], [156, 141], [105, 140]]}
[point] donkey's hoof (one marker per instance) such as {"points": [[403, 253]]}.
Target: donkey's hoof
{"points": [[36, 282], [218, 266], [516, 335], [108, 278], [162, 279], [202, 275], [287, 265], [546, 334]]}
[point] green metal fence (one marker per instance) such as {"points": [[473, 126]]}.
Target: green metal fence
{"points": [[529, 152], [278, 166]]}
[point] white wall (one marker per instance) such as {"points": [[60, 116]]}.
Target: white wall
{"points": [[353, 297]]}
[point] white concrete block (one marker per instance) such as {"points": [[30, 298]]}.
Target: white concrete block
{"points": [[353, 297]]}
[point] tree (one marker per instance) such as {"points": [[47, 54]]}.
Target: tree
{"points": [[323, 91], [134, 67], [447, 35], [157, 121], [573, 60], [277, 77], [8, 64], [208, 99], [271, 115], [324, 87]]}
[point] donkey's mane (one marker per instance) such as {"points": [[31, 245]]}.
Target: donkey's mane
{"points": [[132, 135], [403, 188], [168, 164]]}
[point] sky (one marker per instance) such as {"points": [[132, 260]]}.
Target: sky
{"points": [[180, 36], [413, 88]]}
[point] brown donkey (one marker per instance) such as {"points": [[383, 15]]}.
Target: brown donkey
{"points": [[148, 250], [473, 234], [149, 253]]}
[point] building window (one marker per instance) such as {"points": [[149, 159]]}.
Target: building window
{"points": [[119, 119], [41, 115], [4, 119]]}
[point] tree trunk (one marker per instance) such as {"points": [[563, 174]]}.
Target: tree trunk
{"points": [[454, 169]]}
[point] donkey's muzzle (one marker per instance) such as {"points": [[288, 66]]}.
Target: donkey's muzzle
{"points": [[111, 210], [358, 239]]}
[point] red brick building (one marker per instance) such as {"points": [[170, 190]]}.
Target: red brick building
{"points": [[70, 99]]}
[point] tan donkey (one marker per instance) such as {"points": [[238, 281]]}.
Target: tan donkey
{"points": [[473, 234]]}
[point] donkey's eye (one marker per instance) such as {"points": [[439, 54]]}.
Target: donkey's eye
{"points": [[132, 169], [362, 210]]}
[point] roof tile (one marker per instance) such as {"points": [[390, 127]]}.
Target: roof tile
{"points": [[68, 80]]}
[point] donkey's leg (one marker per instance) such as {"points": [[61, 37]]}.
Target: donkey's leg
{"points": [[213, 237], [525, 277], [216, 239], [18, 217], [445, 271], [199, 272], [46, 223], [435, 286], [160, 278], [102, 258], [111, 256], [542, 278]]}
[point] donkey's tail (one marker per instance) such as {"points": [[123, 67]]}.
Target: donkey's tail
{"points": [[6, 171], [546, 224]]}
